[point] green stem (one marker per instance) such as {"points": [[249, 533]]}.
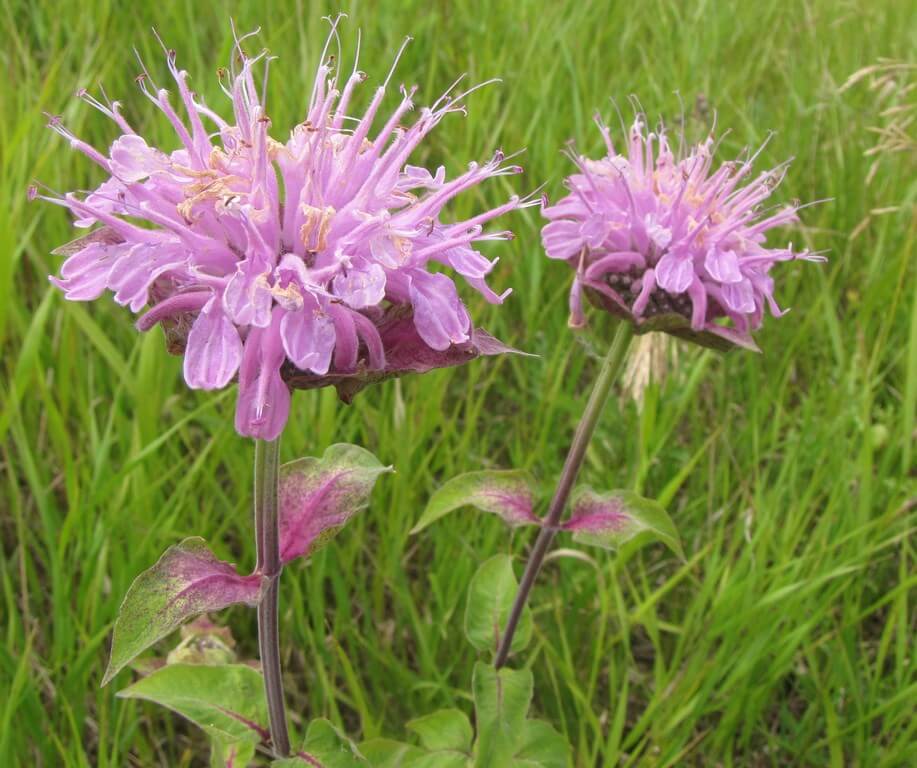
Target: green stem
{"points": [[267, 543], [611, 367]]}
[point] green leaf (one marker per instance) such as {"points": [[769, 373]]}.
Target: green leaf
{"points": [[541, 745], [501, 701], [227, 702], [446, 729], [507, 493], [617, 518], [387, 753], [318, 496], [187, 580], [446, 759], [231, 754], [325, 747], [490, 598]]}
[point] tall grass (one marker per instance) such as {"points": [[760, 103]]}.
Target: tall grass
{"points": [[787, 636]]}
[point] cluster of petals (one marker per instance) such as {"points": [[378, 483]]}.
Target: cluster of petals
{"points": [[280, 256], [668, 242]]}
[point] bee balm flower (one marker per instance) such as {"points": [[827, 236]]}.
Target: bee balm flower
{"points": [[297, 263], [669, 244]]}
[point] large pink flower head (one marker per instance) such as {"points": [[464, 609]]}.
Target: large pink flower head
{"points": [[296, 263], [667, 242]]}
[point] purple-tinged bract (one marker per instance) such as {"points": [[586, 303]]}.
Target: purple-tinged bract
{"points": [[271, 261], [669, 243]]}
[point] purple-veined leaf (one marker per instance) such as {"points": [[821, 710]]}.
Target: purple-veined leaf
{"points": [[611, 520], [187, 580], [227, 701], [319, 496], [508, 493]]}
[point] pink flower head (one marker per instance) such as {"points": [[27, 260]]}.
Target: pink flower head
{"points": [[269, 261], [662, 241]]}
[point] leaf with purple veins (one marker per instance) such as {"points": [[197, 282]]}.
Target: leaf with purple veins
{"points": [[510, 494], [187, 580], [611, 520], [227, 701], [319, 496]]}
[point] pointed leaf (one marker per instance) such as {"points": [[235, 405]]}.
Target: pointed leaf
{"points": [[446, 729], [187, 580], [541, 746], [227, 702], [501, 701], [616, 518], [318, 496], [490, 598], [508, 493]]}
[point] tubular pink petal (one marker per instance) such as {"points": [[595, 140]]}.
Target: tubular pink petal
{"points": [[178, 304], [346, 347], [739, 297], [674, 273], [614, 262], [264, 398], [361, 287], [439, 315], [133, 273], [309, 337], [646, 289], [370, 335], [723, 266], [214, 349]]}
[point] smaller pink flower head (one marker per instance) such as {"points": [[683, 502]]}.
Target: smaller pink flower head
{"points": [[280, 263], [668, 243]]}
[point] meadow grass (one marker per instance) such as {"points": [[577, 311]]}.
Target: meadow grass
{"points": [[785, 638]]}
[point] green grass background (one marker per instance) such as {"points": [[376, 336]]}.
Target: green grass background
{"points": [[786, 638]]}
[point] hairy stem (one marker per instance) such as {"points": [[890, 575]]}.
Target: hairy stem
{"points": [[267, 543], [611, 367]]}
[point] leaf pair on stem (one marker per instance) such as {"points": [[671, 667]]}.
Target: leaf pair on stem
{"points": [[608, 520]]}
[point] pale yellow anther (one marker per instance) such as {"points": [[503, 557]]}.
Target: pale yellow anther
{"points": [[289, 297], [318, 222], [217, 189], [403, 246]]}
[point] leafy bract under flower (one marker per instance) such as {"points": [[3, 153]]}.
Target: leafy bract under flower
{"points": [[280, 263], [668, 243]]}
